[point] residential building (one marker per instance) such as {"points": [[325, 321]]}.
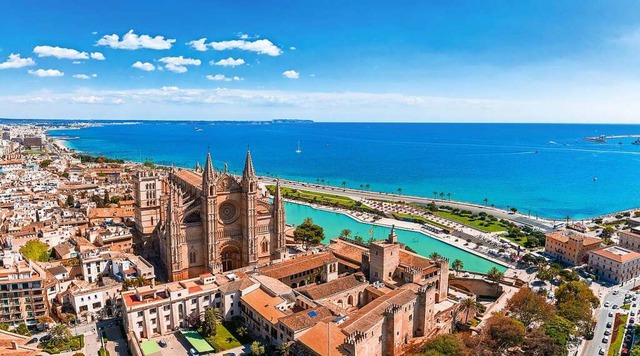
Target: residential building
{"points": [[569, 246], [615, 263], [22, 290], [630, 239]]}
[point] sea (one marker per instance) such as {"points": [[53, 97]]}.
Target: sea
{"points": [[542, 170]]}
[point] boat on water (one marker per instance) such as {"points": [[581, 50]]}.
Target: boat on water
{"points": [[298, 150], [636, 142], [599, 139], [199, 129]]}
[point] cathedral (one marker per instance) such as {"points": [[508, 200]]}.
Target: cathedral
{"points": [[210, 221]]}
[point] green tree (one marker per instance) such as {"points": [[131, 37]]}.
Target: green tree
{"points": [[486, 201], [346, 233], [60, 334], [193, 320], [106, 200], [559, 330], [538, 343], [257, 348], [528, 307], [22, 329], [70, 200], [575, 302], [495, 275], [45, 163], [344, 184], [467, 306], [457, 265], [308, 232], [36, 250], [242, 331], [211, 318], [435, 256], [4, 326], [446, 344], [514, 210]]}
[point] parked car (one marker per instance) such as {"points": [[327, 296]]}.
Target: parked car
{"points": [[45, 338], [607, 304], [605, 340], [610, 314], [601, 352], [609, 325], [193, 352], [35, 339], [615, 306], [632, 320], [162, 343], [607, 332]]}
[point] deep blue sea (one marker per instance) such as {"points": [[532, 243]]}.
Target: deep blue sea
{"points": [[547, 170]]}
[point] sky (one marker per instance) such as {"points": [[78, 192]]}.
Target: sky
{"points": [[394, 61]]}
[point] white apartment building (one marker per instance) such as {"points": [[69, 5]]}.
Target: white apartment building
{"points": [[615, 263]]}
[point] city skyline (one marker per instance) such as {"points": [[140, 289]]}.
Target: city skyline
{"points": [[489, 62]]}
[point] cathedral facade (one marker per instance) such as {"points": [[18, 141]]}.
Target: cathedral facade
{"points": [[213, 222]]}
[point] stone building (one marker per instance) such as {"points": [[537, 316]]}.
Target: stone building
{"points": [[210, 220]]}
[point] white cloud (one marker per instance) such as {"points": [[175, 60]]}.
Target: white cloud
{"points": [[46, 73], [84, 76], [198, 45], [132, 41], [98, 56], [229, 62], [259, 46], [178, 64], [15, 61], [223, 78], [94, 32], [59, 52], [91, 99], [292, 48], [243, 36], [170, 88], [146, 66], [291, 74], [76, 62]]}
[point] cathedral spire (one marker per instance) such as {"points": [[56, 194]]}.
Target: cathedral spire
{"points": [[207, 176], [248, 172], [277, 199]]}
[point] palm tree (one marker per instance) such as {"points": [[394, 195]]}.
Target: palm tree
{"points": [[435, 195], [344, 184], [441, 195], [366, 186], [399, 190], [495, 275], [345, 233], [486, 201], [449, 196], [284, 348], [361, 186], [567, 218], [435, 256], [467, 305], [457, 265]]}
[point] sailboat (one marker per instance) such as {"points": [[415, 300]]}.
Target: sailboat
{"points": [[298, 150]]}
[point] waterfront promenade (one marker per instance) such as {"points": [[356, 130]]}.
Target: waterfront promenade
{"points": [[541, 223]]}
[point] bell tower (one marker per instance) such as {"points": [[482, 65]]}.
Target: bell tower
{"points": [[209, 210], [249, 190], [280, 250]]}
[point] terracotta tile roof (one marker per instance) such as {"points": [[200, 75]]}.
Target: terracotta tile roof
{"points": [[190, 177], [347, 250], [616, 253], [630, 233], [371, 313], [297, 265], [264, 304], [305, 319], [325, 339], [411, 259], [563, 237], [237, 285], [320, 291]]}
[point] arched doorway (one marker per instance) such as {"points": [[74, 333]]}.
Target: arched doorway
{"points": [[231, 258], [350, 300]]}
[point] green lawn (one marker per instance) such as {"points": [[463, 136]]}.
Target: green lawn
{"points": [[618, 334], [322, 198], [494, 226], [626, 306], [74, 344], [418, 219], [226, 337]]}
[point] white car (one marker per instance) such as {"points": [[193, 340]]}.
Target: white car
{"points": [[607, 304], [601, 352], [610, 314], [605, 340]]}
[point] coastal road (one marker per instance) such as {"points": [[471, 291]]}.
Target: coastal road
{"points": [[543, 224], [602, 316]]}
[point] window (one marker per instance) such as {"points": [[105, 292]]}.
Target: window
{"points": [[192, 256]]}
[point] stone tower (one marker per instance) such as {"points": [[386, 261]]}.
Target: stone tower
{"points": [[384, 257], [209, 206], [249, 189], [278, 216], [147, 190]]}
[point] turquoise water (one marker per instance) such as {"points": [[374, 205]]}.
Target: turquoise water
{"points": [[547, 170], [334, 223]]}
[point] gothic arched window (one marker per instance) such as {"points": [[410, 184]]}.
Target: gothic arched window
{"points": [[192, 256], [265, 246]]}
